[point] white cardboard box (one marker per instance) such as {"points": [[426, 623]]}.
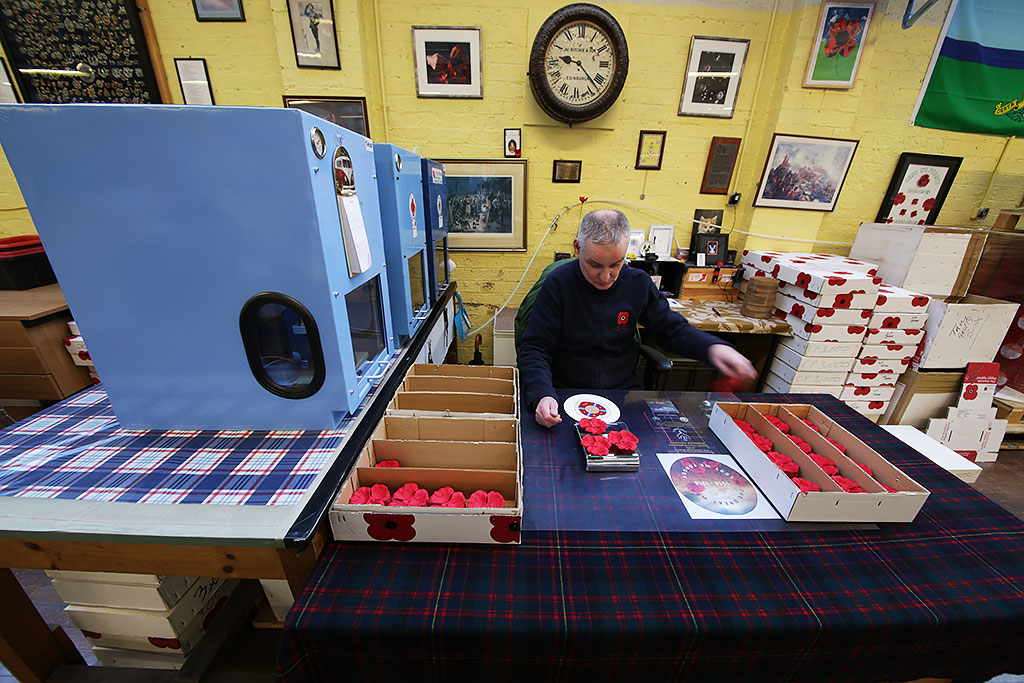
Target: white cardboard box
{"points": [[967, 330], [777, 385], [108, 656], [902, 321], [900, 352], [831, 504], [825, 316], [876, 379], [114, 577], [918, 257], [874, 364], [947, 459], [858, 301], [898, 300], [135, 596], [817, 349], [816, 332], [894, 336], [794, 376], [794, 359], [852, 393], [870, 409]]}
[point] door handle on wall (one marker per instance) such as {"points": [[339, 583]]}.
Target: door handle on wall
{"points": [[82, 70]]}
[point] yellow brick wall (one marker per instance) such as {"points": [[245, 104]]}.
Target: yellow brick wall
{"points": [[252, 63]]}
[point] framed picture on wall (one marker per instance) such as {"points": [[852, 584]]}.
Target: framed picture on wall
{"points": [[194, 80], [447, 60], [804, 172], [712, 78], [719, 166], [566, 171], [513, 143], [314, 38], [918, 188], [486, 204], [839, 40], [7, 92], [650, 149], [218, 10], [347, 112]]}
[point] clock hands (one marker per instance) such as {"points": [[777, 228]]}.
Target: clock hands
{"points": [[569, 60]]}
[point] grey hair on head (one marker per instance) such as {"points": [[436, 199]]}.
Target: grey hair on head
{"points": [[605, 226]]}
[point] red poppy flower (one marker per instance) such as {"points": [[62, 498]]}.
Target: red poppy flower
{"points": [[842, 38], [477, 499], [805, 485], [881, 300], [169, 643], [623, 317], [779, 424], [843, 300], [593, 425], [855, 329], [899, 199], [506, 529], [836, 281], [495, 500], [928, 204], [861, 391], [390, 527], [583, 200], [387, 463], [598, 445], [775, 270], [840, 447], [810, 329], [784, 463], [887, 487], [848, 485], [923, 180], [624, 440], [865, 468], [762, 443], [824, 463], [458, 500], [410, 494], [744, 425], [441, 496], [873, 405], [919, 301], [766, 259], [891, 323], [361, 496], [797, 310], [970, 392], [810, 295], [803, 280]]}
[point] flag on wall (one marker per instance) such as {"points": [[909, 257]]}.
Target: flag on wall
{"points": [[975, 82]]}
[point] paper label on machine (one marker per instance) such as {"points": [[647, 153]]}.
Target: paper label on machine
{"points": [[357, 244]]}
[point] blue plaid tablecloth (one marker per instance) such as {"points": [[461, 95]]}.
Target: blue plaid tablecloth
{"points": [[940, 597], [75, 450]]}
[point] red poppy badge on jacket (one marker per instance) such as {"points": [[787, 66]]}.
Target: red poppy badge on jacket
{"points": [[623, 317]]}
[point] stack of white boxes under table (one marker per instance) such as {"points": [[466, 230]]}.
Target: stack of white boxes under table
{"points": [[852, 335], [143, 620]]}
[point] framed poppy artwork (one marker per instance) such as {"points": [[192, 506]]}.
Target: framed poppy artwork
{"points": [[839, 43], [804, 172], [712, 78], [918, 188], [447, 61], [486, 204]]}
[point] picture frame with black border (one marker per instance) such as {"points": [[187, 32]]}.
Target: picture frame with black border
{"points": [[194, 80], [448, 62], [919, 186], [513, 148], [314, 34], [840, 38], [8, 93], [650, 150], [486, 204], [566, 170], [720, 165], [804, 172], [347, 112], [218, 10], [712, 79]]}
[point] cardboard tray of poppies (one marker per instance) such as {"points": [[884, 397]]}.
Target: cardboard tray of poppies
{"points": [[831, 503], [451, 426]]}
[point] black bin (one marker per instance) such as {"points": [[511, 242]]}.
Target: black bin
{"points": [[23, 263]]}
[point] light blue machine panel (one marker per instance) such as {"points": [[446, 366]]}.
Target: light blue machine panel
{"points": [[224, 264], [435, 195], [405, 236]]}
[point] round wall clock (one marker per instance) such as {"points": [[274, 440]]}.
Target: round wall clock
{"points": [[578, 63]]}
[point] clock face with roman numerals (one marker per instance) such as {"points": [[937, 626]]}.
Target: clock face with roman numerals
{"points": [[578, 63]]}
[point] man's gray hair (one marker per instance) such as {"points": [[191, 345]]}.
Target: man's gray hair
{"points": [[605, 226]]}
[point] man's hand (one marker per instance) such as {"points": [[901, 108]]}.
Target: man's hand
{"points": [[731, 363], [547, 411]]}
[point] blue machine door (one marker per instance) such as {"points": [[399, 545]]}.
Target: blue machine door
{"points": [[282, 344]]}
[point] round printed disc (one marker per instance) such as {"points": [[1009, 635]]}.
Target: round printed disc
{"points": [[713, 486], [588, 405]]}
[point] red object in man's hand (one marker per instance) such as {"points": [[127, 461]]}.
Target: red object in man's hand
{"points": [[728, 385]]}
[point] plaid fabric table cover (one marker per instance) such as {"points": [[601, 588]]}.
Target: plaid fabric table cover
{"points": [[941, 597]]}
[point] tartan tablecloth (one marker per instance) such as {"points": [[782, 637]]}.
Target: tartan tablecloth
{"points": [[940, 597]]}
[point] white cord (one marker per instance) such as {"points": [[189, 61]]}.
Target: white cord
{"points": [[551, 226]]}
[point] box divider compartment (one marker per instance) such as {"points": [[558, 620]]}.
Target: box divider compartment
{"points": [[500, 372], [446, 383], [490, 429], [461, 455], [454, 402], [783, 444], [466, 481]]}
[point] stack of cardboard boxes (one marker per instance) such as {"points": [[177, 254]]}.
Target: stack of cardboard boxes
{"points": [[970, 428], [852, 335], [75, 346]]}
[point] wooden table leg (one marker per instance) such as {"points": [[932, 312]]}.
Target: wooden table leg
{"points": [[28, 648]]}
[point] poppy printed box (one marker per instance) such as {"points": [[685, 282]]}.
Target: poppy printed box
{"points": [[831, 503], [820, 349], [825, 316], [822, 274], [858, 301], [824, 333], [896, 300], [444, 465]]}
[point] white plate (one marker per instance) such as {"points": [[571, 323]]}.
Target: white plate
{"points": [[588, 405]]}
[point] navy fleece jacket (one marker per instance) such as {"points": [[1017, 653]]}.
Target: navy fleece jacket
{"points": [[580, 337]]}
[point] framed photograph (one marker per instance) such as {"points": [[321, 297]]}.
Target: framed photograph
{"points": [[838, 44], [194, 80], [563, 171], [347, 112], [7, 92], [447, 61], [704, 220], [712, 78], [218, 10], [804, 172], [720, 165], [649, 150], [513, 143], [486, 204], [918, 188], [314, 38]]}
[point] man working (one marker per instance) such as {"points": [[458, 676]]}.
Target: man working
{"points": [[581, 332]]}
